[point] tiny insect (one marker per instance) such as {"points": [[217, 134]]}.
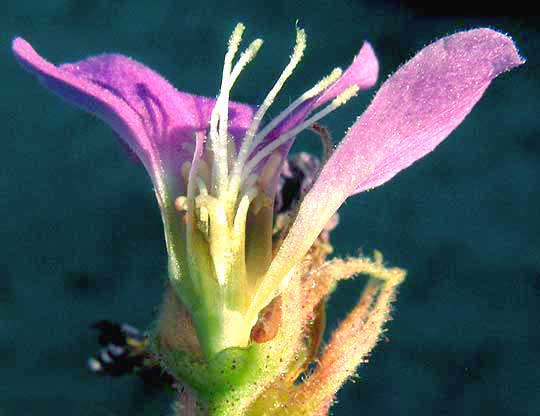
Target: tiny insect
{"points": [[125, 351]]}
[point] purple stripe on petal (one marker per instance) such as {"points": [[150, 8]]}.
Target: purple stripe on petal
{"points": [[91, 97], [170, 116], [156, 121], [411, 114]]}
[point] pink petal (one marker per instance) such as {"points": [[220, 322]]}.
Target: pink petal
{"points": [[113, 109], [363, 72], [419, 106], [410, 115], [154, 119]]}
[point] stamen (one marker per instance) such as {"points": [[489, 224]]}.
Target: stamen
{"points": [[241, 213], [194, 168], [218, 241], [247, 56], [243, 153], [203, 190], [263, 153], [231, 152], [191, 221], [218, 140], [312, 92], [203, 223], [248, 183], [180, 203]]}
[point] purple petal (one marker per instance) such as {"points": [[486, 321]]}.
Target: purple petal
{"points": [[113, 109], [419, 106], [363, 72], [154, 119], [410, 115]]}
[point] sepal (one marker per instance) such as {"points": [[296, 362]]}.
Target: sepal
{"points": [[231, 380], [349, 346]]}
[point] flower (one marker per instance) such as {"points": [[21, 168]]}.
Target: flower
{"points": [[216, 168]]}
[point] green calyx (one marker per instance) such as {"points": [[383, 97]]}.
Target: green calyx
{"points": [[229, 381]]}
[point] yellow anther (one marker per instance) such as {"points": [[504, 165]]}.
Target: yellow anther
{"points": [[246, 57], [203, 223], [180, 203], [345, 96]]}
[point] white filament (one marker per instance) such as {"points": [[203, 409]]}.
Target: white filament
{"points": [[296, 56], [267, 150], [312, 92], [220, 113]]}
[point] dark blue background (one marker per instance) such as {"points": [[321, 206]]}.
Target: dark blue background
{"points": [[82, 238]]}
